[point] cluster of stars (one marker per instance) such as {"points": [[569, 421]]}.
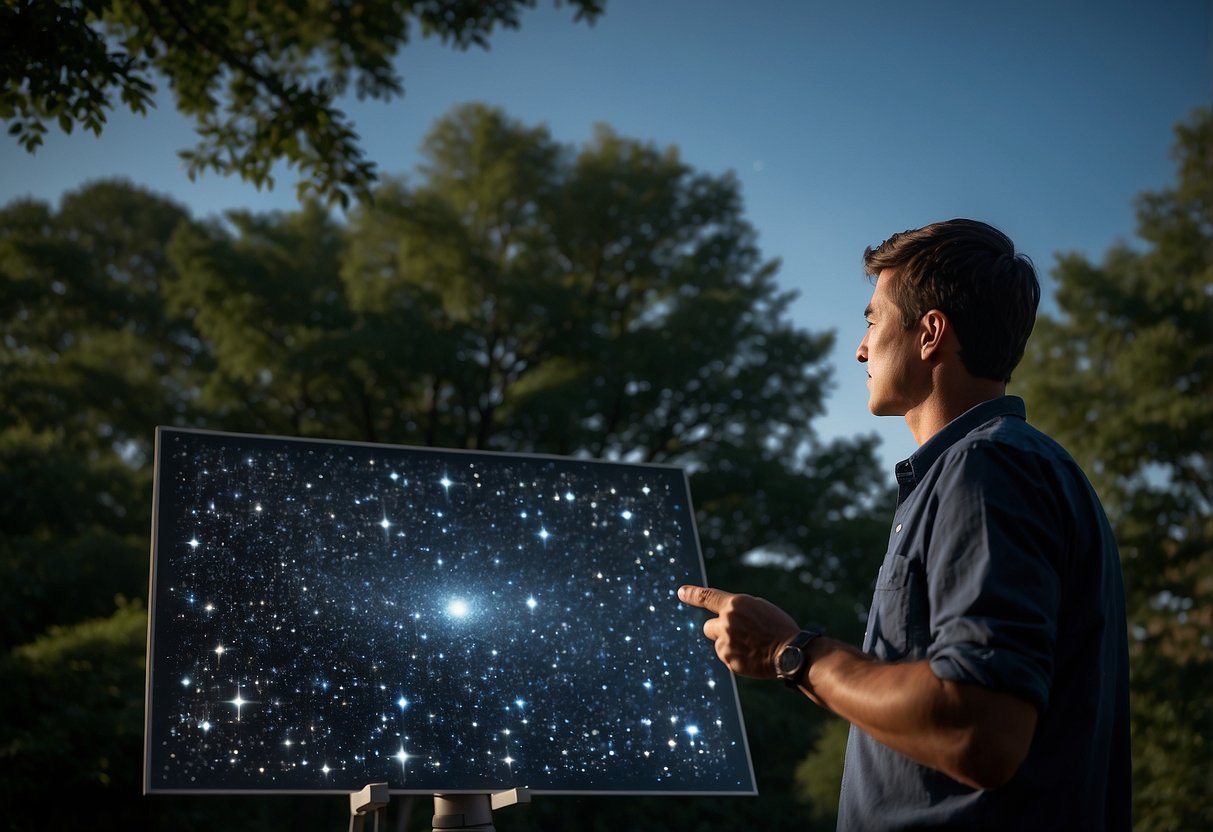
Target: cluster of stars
{"points": [[327, 615]]}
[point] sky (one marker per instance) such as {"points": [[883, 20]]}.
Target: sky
{"points": [[844, 123]]}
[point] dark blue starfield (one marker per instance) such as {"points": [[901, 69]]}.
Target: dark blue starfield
{"points": [[326, 615]]}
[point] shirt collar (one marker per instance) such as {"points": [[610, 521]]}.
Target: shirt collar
{"points": [[910, 471]]}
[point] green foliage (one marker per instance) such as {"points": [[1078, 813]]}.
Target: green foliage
{"points": [[66, 549], [813, 781], [1124, 378], [260, 80], [87, 348], [63, 692], [513, 294], [84, 373]]}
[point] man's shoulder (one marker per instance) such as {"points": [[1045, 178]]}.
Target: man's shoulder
{"points": [[1012, 435], [1008, 452], [993, 441]]}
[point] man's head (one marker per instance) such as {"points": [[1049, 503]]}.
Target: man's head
{"points": [[970, 272]]}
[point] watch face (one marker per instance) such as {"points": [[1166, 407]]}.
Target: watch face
{"points": [[789, 659]]}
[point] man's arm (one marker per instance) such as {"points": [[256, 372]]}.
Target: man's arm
{"points": [[976, 736]]}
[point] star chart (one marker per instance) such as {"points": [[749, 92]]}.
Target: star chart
{"points": [[327, 615]]}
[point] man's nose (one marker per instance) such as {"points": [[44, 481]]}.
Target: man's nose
{"points": [[861, 352]]}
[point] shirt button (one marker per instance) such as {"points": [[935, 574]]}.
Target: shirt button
{"points": [[898, 529]]}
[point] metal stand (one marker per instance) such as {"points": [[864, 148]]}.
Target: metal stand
{"points": [[370, 801], [473, 812]]}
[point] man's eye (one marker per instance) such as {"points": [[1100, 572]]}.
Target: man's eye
{"points": [[868, 324]]}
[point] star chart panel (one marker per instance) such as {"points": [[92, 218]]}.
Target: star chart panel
{"points": [[327, 615]]}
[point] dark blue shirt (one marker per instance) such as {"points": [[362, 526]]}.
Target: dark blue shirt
{"points": [[1002, 571]]}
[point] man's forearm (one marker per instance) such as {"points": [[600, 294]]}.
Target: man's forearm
{"points": [[975, 735]]}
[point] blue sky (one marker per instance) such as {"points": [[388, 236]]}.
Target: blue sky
{"points": [[844, 122]]}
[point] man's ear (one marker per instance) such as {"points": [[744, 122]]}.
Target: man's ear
{"points": [[933, 331]]}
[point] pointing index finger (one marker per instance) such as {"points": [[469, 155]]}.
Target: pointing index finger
{"points": [[704, 597]]}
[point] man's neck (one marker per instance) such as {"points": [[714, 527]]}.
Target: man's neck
{"points": [[946, 402]]}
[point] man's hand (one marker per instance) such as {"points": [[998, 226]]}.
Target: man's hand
{"points": [[749, 632]]}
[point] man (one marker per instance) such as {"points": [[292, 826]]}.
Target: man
{"points": [[992, 688]]}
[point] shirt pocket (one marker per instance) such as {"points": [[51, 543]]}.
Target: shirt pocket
{"points": [[894, 573], [896, 629]]}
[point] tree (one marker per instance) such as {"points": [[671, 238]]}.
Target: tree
{"points": [[812, 780], [513, 294], [81, 682], [88, 364], [260, 80], [1124, 378], [87, 359]]}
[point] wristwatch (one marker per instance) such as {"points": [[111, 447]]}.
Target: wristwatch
{"points": [[792, 661]]}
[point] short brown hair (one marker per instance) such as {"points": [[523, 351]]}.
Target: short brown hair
{"points": [[969, 271]]}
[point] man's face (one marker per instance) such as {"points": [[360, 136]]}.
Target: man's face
{"points": [[891, 354]]}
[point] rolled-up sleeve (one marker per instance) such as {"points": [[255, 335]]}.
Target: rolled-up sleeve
{"points": [[992, 572]]}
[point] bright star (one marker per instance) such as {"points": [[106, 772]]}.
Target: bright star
{"points": [[532, 603], [193, 542], [385, 523], [402, 703], [239, 702], [625, 514]]}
